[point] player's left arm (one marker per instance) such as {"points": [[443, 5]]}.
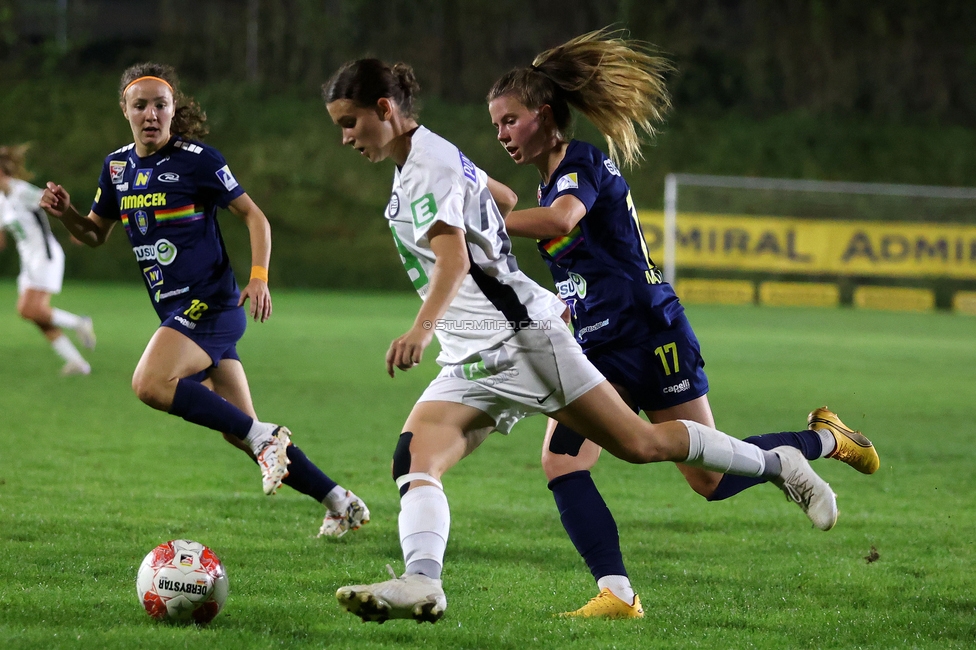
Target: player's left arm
{"points": [[450, 268], [260, 234], [556, 220]]}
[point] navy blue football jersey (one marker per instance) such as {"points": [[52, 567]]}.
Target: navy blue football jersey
{"points": [[602, 269], [168, 204]]}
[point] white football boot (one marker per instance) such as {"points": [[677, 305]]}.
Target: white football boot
{"points": [[350, 517], [72, 368], [273, 460], [803, 487], [86, 332], [411, 596]]}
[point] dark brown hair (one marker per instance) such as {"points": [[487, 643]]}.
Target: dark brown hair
{"points": [[618, 84], [365, 81], [189, 120], [12, 160]]}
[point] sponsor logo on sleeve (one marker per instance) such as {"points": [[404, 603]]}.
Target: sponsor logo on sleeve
{"points": [[116, 168], [122, 187], [567, 182], [611, 167], [226, 178], [169, 177], [393, 209], [154, 276], [142, 221], [424, 210], [468, 167], [142, 179]]}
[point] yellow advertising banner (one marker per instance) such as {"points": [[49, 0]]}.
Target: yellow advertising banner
{"points": [[789, 245]]}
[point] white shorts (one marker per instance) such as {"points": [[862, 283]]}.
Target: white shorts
{"points": [[538, 370], [41, 273]]}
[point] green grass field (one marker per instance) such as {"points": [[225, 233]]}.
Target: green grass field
{"points": [[91, 480]]}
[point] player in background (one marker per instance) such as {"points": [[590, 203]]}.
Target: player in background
{"points": [[627, 319], [41, 262], [165, 188], [505, 351]]}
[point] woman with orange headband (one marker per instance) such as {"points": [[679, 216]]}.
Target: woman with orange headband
{"points": [[165, 188]]}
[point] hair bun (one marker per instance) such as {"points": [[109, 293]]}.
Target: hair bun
{"points": [[406, 78]]}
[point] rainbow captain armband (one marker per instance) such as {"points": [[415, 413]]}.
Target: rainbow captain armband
{"points": [[259, 272]]}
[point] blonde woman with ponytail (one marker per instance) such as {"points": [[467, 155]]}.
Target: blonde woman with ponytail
{"points": [[628, 321], [505, 352]]}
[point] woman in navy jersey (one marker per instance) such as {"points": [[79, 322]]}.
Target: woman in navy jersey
{"points": [[627, 319], [165, 188]]}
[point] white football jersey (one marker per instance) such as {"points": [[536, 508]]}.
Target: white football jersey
{"points": [[439, 183], [22, 216]]}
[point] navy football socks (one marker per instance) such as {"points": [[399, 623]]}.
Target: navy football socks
{"points": [[808, 442], [196, 403], [590, 524], [305, 477]]}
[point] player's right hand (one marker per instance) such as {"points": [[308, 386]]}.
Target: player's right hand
{"points": [[55, 200]]}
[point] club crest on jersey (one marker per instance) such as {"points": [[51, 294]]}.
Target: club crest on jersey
{"points": [[394, 208], [142, 179], [116, 168], [154, 276], [226, 178], [611, 167], [142, 221], [567, 182], [468, 167]]}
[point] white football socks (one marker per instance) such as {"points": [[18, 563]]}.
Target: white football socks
{"points": [[716, 451], [425, 522], [259, 434], [64, 319], [337, 499], [619, 586], [827, 442], [67, 351]]}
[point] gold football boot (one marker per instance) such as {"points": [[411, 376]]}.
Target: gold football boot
{"points": [[606, 605], [852, 446]]}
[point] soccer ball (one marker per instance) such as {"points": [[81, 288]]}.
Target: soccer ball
{"points": [[182, 581]]}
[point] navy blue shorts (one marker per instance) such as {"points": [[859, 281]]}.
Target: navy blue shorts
{"points": [[664, 370], [215, 330]]}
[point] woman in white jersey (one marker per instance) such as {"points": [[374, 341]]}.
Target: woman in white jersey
{"points": [[505, 350], [41, 262]]}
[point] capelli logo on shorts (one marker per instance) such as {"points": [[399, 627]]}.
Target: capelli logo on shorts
{"points": [[678, 388]]}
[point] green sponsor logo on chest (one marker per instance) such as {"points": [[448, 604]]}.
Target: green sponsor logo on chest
{"points": [[424, 210]]}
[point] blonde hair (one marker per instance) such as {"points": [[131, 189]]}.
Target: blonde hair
{"points": [[617, 83], [12, 161], [189, 120]]}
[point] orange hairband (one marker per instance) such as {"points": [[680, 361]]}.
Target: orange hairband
{"points": [[138, 79]]}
